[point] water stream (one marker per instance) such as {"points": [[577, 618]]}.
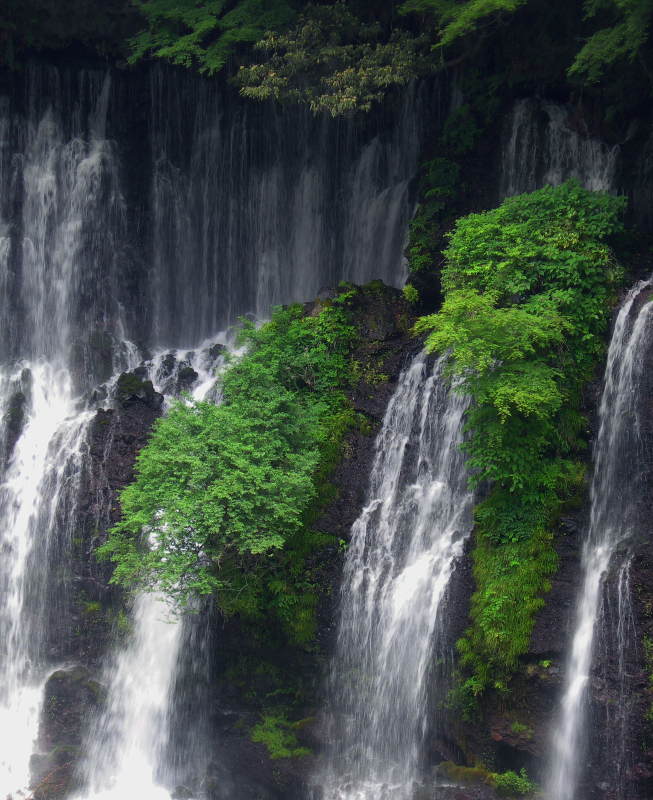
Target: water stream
{"points": [[131, 234], [392, 626], [616, 486]]}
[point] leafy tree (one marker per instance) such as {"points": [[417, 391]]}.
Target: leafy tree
{"points": [[224, 495], [204, 34], [454, 19], [332, 61], [618, 42], [528, 289]]}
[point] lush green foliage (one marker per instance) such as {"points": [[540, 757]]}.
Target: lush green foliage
{"points": [[511, 784], [332, 61], [279, 736], [615, 43], [528, 289], [455, 19], [204, 35], [224, 495], [438, 184]]}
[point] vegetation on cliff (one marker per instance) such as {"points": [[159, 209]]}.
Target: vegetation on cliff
{"points": [[344, 56], [528, 289], [225, 495]]}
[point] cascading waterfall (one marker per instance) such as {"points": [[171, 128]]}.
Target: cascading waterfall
{"points": [[38, 486], [616, 486], [542, 146], [126, 747], [403, 551], [128, 743], [44, 256], [253, 206], [247, 206]]}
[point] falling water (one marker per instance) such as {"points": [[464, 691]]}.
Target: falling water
{"points": [[542, 146], [255, 206], [159, 226], [403, 550], [43, 257], [128, 742], [616, 486]]}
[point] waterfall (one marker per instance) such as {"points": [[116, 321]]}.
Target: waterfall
{"points": [[140, 215], [254, 206], [392, 626], [128, 744], [131, 735], [615, 490], [60, 182], [543, 145]]}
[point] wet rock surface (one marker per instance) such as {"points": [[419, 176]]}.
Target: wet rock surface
{"points": [[71, 698], [97, 617]]}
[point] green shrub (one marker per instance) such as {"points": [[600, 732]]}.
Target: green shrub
{"points": [[410, 293], [225, 496], [511, 784], [528, 289]]}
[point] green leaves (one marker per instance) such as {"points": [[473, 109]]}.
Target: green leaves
{"points": [[204, 34], [331, 61], [220, 490], [619, 42], [528, 291]]}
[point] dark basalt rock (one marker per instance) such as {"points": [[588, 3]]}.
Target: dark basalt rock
{"points": [[71, 698]]}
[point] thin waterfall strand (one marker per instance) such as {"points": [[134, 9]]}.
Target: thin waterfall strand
{"points": [[615, 486], [403, 551]]}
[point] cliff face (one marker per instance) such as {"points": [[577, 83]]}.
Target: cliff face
{"points": [[243, 671]]}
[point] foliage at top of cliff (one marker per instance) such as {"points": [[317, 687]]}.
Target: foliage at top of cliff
{"points": [[345, 56], [332, 61], [204, 35], [528, 289]]}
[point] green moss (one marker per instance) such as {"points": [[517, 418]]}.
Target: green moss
{"points": [[465, 775], [519, 729], [92, 608], [507, 784], [279, 736], [647, 643]]}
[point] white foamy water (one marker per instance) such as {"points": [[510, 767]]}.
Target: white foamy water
{"points": [[392, 625], [613, 493]]}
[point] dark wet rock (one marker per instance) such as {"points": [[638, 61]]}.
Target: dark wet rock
{"points": [[130, 389], [14, 420], [71, 698], [186, 377], [216, 351]]}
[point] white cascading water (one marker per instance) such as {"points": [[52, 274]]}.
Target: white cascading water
{"points": [[403, 551], [542, 146], [248, 207], [616, 483], [44, 463], [127, 744], [46, 455]]}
